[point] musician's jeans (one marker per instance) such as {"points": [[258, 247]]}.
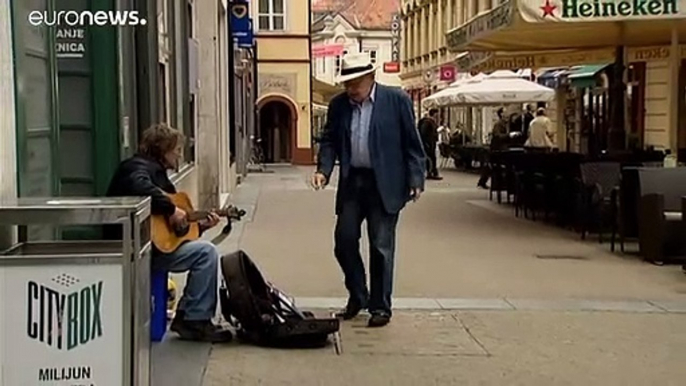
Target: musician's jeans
{"points": [[200, 259], [361, 201]]}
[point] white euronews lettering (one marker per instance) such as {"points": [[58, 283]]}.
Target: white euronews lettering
{"points": [[85, 18]]}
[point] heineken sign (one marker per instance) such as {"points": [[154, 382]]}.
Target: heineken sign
{"points": [[62, 325], [626, 8], [64, 318], [589, 10]]}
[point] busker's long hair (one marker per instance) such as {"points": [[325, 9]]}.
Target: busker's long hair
{"points": [[159, 139]]}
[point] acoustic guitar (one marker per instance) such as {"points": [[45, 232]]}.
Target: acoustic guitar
{"points": [[167, 238]]}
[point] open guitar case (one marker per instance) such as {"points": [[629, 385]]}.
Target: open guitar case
{"points": [[262, 314]]}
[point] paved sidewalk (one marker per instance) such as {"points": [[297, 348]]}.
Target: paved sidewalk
{"points": [[481, 298], [475, 348], [453, 243]]}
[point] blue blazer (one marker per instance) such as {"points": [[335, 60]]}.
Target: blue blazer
{"points": [[395, 148]]}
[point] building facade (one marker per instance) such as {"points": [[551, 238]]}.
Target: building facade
{"points": [[360, 28], [474, 36], [81, 95], [423, 43], [284, 89]]}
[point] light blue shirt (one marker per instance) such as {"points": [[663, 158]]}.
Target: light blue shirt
{"points": [[359, 130]]}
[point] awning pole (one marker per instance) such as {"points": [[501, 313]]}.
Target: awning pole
{"points": [[674, 62]]}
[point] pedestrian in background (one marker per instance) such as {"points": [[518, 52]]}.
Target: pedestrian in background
{"points": [[428, 130]]}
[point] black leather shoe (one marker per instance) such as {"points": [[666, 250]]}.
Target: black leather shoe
{"points": [[349, 312], [379, 319], [201, 331]]}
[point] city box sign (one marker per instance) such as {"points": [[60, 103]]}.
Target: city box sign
{"points": [[62, 325], [599, 10]]}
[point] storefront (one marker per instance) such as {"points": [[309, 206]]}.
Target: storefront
{"points": [[84, 92], [540, 34]]}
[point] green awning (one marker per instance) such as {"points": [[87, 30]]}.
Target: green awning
{"points": [[584, 76]]}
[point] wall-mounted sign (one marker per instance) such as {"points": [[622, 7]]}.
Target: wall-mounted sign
{"points": [[277, 83], [71, 42], [391, 67], [246, 39], [327, 50], [447, 73], [395, 38], [241, 24]]}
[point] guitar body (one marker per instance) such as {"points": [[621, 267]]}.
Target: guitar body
{"points": [[165, 238]]}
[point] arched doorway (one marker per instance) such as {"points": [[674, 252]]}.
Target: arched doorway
{"points": [[278, 120]]}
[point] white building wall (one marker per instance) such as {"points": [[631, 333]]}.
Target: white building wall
{"points": [[8, 157], [657, 105], [213, 102], [354, 41]]}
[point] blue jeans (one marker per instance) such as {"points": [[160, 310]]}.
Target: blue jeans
{"points": [[361, 201], [200, 259]]}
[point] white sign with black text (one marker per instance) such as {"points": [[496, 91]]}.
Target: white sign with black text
{"points": [[62, 325]]}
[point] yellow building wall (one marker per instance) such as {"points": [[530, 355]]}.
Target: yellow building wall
{"points": [[283, 49], [657, 104], [298, 95]]}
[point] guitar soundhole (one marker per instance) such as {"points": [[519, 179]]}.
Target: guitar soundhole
{"points": [[181, 231]]}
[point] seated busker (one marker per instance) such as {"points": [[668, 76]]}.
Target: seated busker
{"points": [[145, 174]]}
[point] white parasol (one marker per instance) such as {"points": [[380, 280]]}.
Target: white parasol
{"points": [[502, 87], [444, 97]]}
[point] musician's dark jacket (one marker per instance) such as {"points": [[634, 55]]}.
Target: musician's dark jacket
{"points": [[141, 176]]}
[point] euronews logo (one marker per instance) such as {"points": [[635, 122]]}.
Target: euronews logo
{"points": [[86, 18]]}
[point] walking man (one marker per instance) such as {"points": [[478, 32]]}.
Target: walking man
{"points": [[428, 130], [370, 130]]}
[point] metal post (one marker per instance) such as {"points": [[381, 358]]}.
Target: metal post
{"points": [[232, 83], [674, 63]]}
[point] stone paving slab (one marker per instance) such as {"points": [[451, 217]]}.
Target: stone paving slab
{"points": [[410, 334], [474, 304], [670, 305], [584, 305], [508, 304], [177, 362], [527, 348]]}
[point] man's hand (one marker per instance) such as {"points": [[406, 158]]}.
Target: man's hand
{"points": [[178, 218], [415, 193], [318, 181], [211, 221]]}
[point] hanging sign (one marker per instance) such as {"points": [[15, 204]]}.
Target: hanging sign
{"points": [[241, 24], [447, 73], [395, 38]]}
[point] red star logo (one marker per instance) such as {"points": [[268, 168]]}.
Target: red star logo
{"points": [[548, 8]]}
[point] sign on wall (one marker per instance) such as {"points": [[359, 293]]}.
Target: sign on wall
{"points": [[241, 24], [71, 42], [327, 50], [277, 83], [394, 65], [447, 73], [62, 325], [395, 38]]}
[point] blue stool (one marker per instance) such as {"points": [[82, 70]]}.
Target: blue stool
{"points": [[159, 295]]}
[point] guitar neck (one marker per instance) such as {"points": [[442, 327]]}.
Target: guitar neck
{"points": [[203, 214]]}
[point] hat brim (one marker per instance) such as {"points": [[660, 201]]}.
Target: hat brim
{"points": [[344, 78]]}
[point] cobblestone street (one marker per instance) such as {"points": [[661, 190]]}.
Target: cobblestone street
{"points": [[481, 298]]}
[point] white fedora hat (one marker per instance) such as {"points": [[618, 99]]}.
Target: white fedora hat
{"points": [[355, 65]]}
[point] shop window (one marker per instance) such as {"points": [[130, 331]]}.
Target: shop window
{"points": [[338, 62], [372, 55], [271, 15]]}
